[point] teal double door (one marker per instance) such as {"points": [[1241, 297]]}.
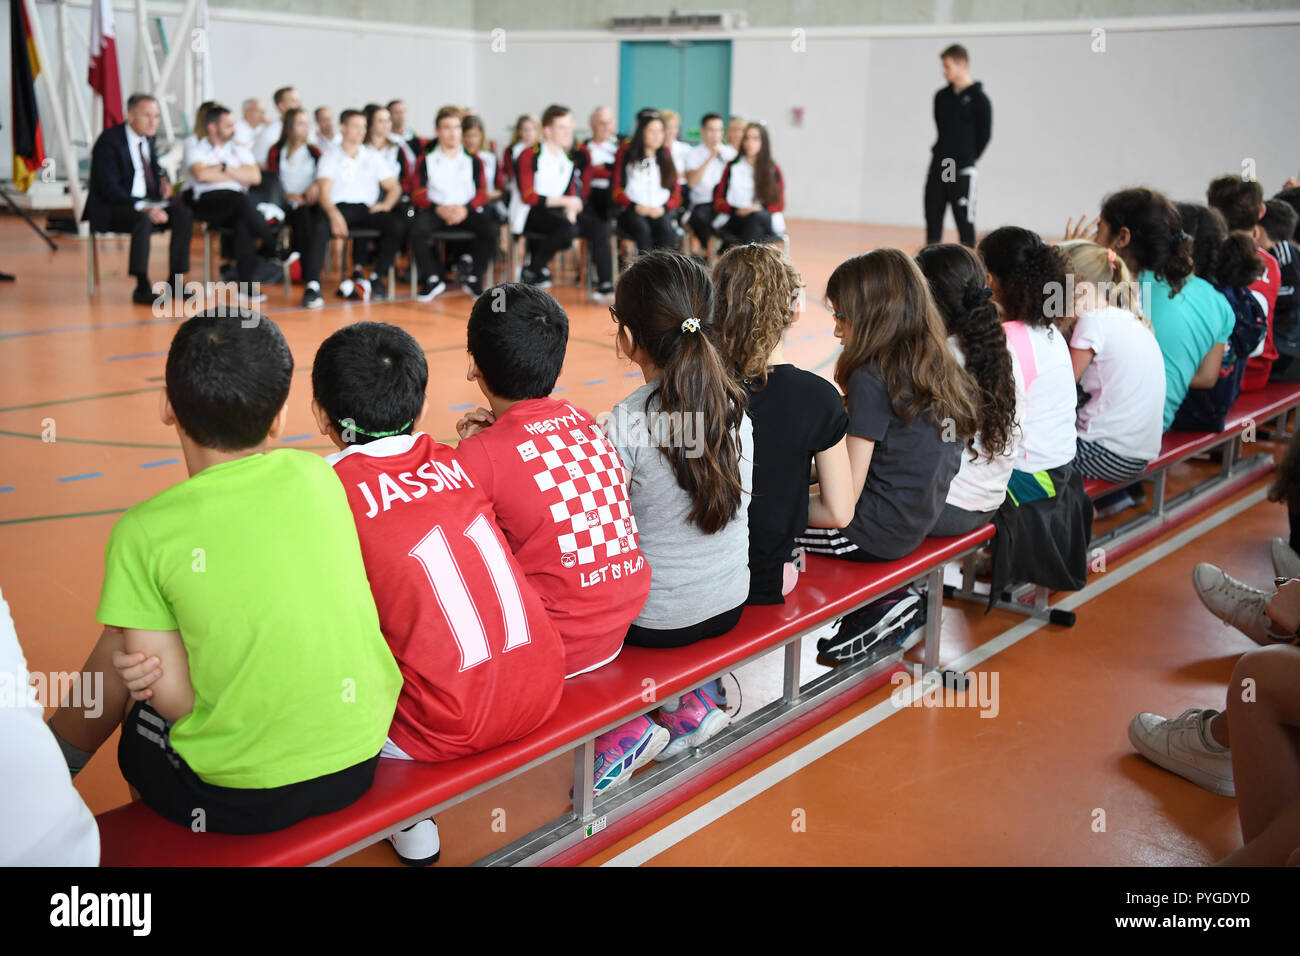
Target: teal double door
{"points": [[692, 77]]}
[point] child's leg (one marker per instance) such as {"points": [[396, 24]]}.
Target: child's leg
{"points": [[1266, 741], [72, 724]]}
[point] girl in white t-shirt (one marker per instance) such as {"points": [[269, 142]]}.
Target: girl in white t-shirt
{"points": [[959, 285], [1117, 362], [1028, 281]]}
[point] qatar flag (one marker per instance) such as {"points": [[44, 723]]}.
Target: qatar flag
{"points": [[104, 78]]}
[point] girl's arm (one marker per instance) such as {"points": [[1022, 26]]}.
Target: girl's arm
{"points": [[833, 505], [1081, 359], [1207, 376], [860, 450]]}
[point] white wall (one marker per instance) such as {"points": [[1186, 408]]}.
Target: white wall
{"points": [[1166, 107]]}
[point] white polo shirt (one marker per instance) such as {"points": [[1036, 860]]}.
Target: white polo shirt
{"points": [[679, 152], [702, 192], [642, 182], [297, 169], [451, 178], [353, 179], [207, 154]]}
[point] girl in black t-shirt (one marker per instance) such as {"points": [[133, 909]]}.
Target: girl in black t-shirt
{"points": [[798, 417]]}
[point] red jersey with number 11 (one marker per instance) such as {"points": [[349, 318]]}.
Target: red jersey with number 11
{"points": [[481, 660]]}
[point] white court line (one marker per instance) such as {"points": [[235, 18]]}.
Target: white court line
{"points": [[746, 790]]}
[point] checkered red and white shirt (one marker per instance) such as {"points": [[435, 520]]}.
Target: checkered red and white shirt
{"points": [[560, 493]]}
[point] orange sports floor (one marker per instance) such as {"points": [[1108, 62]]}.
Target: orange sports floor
{"points": [[1032, 785]]}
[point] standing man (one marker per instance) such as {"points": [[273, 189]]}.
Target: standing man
{"points": [[129, 193], [964, 119]]}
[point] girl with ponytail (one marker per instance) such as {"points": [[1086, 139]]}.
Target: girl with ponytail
{"points": [[959, 285], [1117, 363], [687, 447], [1028, 281], [1192, 322], [798, 416]]}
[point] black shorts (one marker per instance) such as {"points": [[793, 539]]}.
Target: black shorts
{"points": [[639, 636], [168, 785]]}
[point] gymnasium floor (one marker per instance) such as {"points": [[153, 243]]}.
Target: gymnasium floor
{"points": [[872, 785]]}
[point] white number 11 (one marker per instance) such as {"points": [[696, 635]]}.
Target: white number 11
{"points": [[434, 554]]}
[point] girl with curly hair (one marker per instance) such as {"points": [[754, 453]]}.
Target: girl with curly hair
{"points": [[975, 336], [798, 416], [1028, 281]]}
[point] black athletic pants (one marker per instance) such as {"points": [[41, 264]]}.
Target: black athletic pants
{"points": [[946, 187], [123, 217], [230, 208], [427, 222], [560, 233]]}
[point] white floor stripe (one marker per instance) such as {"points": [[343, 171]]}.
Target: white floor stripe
{"points": [[746, 790]]}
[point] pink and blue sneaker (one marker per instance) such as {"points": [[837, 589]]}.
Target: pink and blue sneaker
{"points": [[626, 749], [696, 719]]}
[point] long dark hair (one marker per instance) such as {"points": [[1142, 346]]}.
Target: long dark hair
{"points": [[663, 155], [766, 190], [1225, 258], [1157, 242], [1030, 274], [657, 294], [959, 285], [896, 329], [286, 129]]}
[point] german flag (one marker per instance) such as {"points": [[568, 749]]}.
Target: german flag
{"points": [[29, 152]]}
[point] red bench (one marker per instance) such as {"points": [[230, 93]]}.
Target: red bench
{"points": [[405, 792]]}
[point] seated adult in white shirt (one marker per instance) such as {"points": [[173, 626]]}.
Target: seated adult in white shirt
{"points": [[645, 185], [749, 200], [129, 193], [326, 136], [286, 98], [449, 190], [704, 166], [294, 159], [401, 133], [551, 177], [250, 124], [351, 179], [602, 149], [222, 174]]}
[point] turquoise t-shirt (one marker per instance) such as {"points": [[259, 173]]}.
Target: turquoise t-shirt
{"points": [[1187, 327], [256, 562]]}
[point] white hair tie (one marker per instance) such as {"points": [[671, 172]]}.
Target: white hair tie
{"points": [[691, 325]]}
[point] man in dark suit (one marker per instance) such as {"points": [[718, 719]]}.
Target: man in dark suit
{"points": [[126, 187]]}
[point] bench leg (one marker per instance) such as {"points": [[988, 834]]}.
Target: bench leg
{"points": [[91, 266], [584, 761], [933, 617], [1158, 495], [793, 662]]}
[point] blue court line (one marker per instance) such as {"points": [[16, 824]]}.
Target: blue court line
{"points": [[135, 355], [632, 375], [595, 381], [459, 408], [89, 474], [90, 328], [156, 464], [295, 438], [3, 490], [558, 388]]}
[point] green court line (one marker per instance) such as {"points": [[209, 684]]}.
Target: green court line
{"points": [[79, 514], [80, 398], [91, 441]]}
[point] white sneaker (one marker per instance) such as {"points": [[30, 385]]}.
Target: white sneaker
{"points": [[1286, 563], [1235, 603], [418, 844], [1181, 745]]}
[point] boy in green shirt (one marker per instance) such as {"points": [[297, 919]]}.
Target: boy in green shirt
{"points": [[237, 611]]}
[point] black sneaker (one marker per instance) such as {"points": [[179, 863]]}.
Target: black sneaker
{"points": [[311, 299], [474, 286], [430, 288], [545, 282], [529, 277], [378, 289], [891, 619], [143, 295], [464, 267]]}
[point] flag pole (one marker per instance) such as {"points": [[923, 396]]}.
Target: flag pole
{"points": [[60, 122]]}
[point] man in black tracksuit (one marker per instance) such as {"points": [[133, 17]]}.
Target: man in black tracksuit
{"points": [[964, 119]]}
